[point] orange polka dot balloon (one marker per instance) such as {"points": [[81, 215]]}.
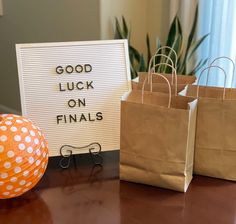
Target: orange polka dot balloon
{"points": [[23, 155]]}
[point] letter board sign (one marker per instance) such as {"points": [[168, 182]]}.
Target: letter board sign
{"points": [[72, 91]]}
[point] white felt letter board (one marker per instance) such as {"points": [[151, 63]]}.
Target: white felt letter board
{"points": [[72, 90]]}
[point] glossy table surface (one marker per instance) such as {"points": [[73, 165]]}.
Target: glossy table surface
{"points": [[87, 194]]}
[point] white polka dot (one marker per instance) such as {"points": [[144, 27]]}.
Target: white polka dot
{"points": [[1, 183], [22, 182], [27, 139], [8, 123], [26, 189], [19, 121], [1, 148], [21, 146], [9, 118], [17, 169], [32, 133], [38, 152], [39, 132], [36, 141], [24, 130], [10, 154], [36, 172], [40, 175], [16, 115], [13, 179], [25, 120], [17, 138], [7, 165], [18, 189], [4, 175], [38, 162], [13, 129], [25, 173], [3, 138], [19, 159], [30, 149], [31, 160], [9, 187], [3, 128], [28, 184], [44, 154], [6, 193]]}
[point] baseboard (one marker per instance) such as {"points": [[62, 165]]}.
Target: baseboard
{"points": [[8, 110]]}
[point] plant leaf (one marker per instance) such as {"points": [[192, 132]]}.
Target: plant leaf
{"points": [[149, 54], [134, 52], [179, 47], [158, 43], [125, 28], [142, 67], [199, 66], [177, 44], [195, 45], [193, 29], [118, 31], [172, 33]]}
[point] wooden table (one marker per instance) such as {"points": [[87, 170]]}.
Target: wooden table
{"points": [[86, 194]]}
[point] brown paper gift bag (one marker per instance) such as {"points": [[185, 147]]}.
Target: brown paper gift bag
{"points": [[161, 86], [158, 83], [181, 79], [215, 146], [138, 81], [157, 139]]}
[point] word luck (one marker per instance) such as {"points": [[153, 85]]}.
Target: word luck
{"points": [[69, 86]]}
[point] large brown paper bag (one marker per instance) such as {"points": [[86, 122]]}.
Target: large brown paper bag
{"points": [[215, 146], [157, 139]]}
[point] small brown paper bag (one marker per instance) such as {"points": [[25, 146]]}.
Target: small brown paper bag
{"points": [[157, 139], [182, 80], [215, 146], [158, 84]]}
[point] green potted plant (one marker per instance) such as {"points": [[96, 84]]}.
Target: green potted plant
{"points": [[175, 40]]}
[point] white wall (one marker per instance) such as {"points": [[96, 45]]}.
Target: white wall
{"points": [[40, 21], [135, 13], [158, 21], [143, 16]]}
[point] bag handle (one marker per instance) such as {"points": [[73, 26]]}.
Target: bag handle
{"points": [[171, 50], [173, 75], [154, 57], [208, 68], [168, 83], [227, 58]]}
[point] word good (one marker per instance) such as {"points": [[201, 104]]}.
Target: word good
{"points": [[86, 68]]}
